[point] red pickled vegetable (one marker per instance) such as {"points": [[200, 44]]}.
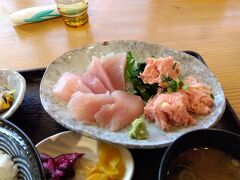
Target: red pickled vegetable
{"points": [[60, 167]]}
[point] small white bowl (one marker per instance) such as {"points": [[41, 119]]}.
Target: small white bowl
{"points": [[13, 80]]}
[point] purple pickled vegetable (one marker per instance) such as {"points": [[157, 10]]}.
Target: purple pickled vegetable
{"points": [[66, 160], [44, 157], [58, 175], [72, 157], [65, 163], [49, 167], [60, 167]]}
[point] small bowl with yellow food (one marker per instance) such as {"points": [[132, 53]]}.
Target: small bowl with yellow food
{"points": [[12, 91]]}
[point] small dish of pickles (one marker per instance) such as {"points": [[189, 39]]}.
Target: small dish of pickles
{"points": [[12, 91], [98, 160]]}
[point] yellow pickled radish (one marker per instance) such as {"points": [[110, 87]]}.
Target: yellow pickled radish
{"points": [[110, 165]]}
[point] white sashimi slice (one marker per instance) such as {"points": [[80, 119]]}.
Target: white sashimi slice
{"points": [[93, 83], [67, 84], [115, 65], [105, 114], [123, 111], [83, 106], [82, 87], [96, 69]]}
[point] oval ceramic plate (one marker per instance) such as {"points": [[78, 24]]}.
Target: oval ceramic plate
{"points": [[77, 60], [69, 142], [13, 81]]}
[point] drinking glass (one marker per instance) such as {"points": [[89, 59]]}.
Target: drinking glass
{"points": [[74, 12]]}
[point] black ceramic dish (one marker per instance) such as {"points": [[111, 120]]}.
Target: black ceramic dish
{"points": [[19, 147], [214, 138]]}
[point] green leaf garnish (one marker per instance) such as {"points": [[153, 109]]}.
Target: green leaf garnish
{"points": [[173, 85], [184, 87], [164, 78], [132, 72]]}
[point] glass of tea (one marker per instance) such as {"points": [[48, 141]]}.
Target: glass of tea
{"points": [[74, 12]]}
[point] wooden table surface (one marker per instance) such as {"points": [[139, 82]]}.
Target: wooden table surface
{"points": [[210, 27]]}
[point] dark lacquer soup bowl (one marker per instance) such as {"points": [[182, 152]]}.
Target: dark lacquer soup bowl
{"points": [[202, 154]]}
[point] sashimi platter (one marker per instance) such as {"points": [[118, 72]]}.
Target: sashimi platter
{"points": [[131, 93]]}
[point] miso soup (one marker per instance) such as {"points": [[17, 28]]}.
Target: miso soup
{"points": [[204, 164]]}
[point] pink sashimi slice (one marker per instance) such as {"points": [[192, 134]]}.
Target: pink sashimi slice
{"points": [[123, 111], [83, 106], [200, 102], [115, 64], [169, 110], [176, 115], [150, 75], [67, 84], [148, 110], [93, 83], [96, 69], [161, 119], [169, 67], [105, 114], [199, 96], [82, 87], [156, 68]]}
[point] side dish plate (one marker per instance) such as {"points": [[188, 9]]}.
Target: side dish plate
{"points": [[77, 60], [69, 142], [13, 81]]}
